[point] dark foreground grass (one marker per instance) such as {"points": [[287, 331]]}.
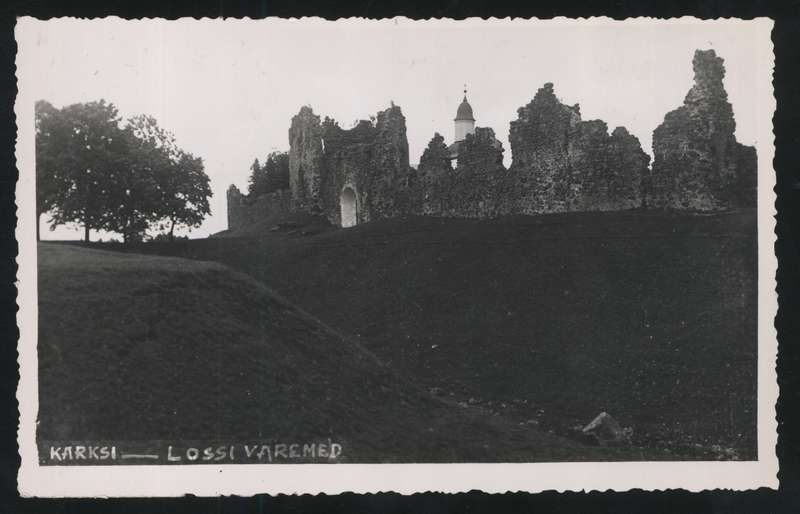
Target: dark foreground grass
{"points": [[547, 320], [138, 348]]}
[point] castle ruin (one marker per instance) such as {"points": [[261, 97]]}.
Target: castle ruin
{"points": [[559, 163]]}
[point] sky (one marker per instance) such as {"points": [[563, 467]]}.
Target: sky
{"points": [[228, 89]]}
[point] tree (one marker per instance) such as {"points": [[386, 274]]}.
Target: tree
{"points": [[132, 198], [77, 150], [50, 142], [272, 176], [93, 171], [185, 193], [257, 180], [277, 171], [160, 183]]}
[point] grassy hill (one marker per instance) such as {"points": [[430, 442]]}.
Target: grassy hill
{"points": [[649, 316], [296, 223], [138, 348]]}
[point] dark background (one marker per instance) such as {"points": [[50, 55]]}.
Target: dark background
{"points": [[787, 130]]}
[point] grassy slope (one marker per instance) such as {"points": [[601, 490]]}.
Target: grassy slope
{"points": [[136, 347], [648, 316], [305, 222]]}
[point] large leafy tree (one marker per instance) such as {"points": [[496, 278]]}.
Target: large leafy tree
{"points": [[51, 140], [161, 186], [185, 193], [132, 199], [127, 179], [79, 148]]}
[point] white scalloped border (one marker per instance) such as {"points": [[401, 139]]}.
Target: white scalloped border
{"points": [[208, 480]]}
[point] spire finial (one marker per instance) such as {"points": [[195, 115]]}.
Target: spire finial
{"points": [[465, 90]]}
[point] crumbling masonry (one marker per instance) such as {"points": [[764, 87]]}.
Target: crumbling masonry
{"points": [[559, 163]]}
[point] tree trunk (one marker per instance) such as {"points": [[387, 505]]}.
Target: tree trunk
{"points": [[127, 231], [86, 231], [171, 230]]}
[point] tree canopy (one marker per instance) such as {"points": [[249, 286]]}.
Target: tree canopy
{"points": [[93, 169], [272, 176]]}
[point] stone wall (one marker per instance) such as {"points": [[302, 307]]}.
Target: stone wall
{"points": [[244, 211], [305, 159], [560, 163], [371, 158], [566, 164], [698, 163], [478, 187], [432, 179]]}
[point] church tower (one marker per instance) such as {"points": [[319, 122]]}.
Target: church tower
{"points": [[465, 121]]}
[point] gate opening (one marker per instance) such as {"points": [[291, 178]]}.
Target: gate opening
{"points": [[347, 203]]}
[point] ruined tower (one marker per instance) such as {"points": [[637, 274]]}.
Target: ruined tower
{"points": [[698, 163], [306, 160]]}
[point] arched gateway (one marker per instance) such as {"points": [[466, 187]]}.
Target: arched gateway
{"points": [[347, 203]]}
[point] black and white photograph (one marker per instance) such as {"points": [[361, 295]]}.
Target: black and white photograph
{"points": [[302, 255]]}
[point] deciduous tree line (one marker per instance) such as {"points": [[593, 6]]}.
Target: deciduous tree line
{"points": [[104, 173]]}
